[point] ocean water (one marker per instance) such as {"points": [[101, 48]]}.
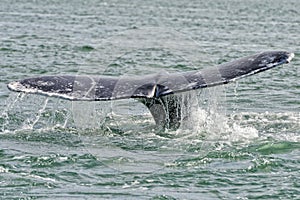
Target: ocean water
{"points": [[243, 141]]}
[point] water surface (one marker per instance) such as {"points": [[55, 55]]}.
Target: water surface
{"points": [[243, 141]]}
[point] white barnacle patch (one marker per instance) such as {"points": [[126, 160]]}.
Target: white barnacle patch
{"points": [[68, 89], [15, 86], [45, 83], [18, 87]]}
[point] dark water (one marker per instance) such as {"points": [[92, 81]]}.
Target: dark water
{"points": [[242, 143]]}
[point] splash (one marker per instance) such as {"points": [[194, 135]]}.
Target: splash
{"points": [[31, 112], [206, 110], [11, 101]]}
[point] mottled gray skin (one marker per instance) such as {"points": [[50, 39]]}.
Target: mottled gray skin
{"points": [[155, 91]]}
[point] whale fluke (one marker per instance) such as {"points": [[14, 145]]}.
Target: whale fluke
{"points": [[156, 89]]}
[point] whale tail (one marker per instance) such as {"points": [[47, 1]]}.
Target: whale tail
{"points": [[155, 91]]}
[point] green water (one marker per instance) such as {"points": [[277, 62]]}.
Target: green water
{"points": [[242, 143]]}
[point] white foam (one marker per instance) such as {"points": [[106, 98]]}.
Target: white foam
{"points": [[3, 170]]}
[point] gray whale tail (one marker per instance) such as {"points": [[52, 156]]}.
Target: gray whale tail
{"points": [[155, 91]]}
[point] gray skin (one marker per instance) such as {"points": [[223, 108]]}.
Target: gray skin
{"points": [[157, 91]]}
